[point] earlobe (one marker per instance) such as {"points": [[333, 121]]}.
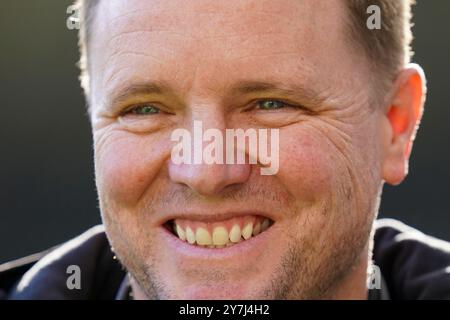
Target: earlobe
{"points": [[403, 117]]}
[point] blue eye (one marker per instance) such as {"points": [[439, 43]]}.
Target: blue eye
{"points": [[271, 105], [143, 110]]}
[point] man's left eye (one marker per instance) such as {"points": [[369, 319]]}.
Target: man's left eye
{"points": [[271, 104]]}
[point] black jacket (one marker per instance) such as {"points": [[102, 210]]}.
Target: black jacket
{"points": [[413, 265]]}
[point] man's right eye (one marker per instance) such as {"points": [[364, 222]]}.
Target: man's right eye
{"points": [[143, 110]]}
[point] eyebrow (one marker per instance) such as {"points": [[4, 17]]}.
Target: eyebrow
{"points": [[248, 87], [148, 88], [241, 87]]}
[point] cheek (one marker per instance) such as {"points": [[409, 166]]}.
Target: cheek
{"points": [[307, 165], [126, 164]]}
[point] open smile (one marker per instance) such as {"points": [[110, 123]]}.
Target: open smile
{"points": [[218, 234]]}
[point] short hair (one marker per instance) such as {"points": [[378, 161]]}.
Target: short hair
{"points": [[387, 49]]}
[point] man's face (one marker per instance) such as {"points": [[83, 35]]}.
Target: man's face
{"points": [[159, 65]]}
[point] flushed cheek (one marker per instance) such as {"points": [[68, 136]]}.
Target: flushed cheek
{"points": [[126, 164], [321, 165], [307, 167]]}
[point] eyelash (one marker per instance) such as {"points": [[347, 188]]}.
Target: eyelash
{"points": [[284, 104], [132, 109]]}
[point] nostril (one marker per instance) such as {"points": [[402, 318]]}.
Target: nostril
{"points": [[209, 179]]}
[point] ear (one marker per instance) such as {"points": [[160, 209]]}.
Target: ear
{"points": [[403, 115]]}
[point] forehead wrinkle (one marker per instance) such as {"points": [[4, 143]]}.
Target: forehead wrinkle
{"points": [[117, 54], [152, 21], [206, 19]]}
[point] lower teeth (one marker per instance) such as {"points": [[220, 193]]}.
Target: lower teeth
{"points": [[216, 247]]}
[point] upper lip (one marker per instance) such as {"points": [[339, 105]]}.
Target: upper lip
{"points": [[213, 216]]}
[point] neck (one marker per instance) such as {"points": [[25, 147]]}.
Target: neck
{"points": [[137, 292]]}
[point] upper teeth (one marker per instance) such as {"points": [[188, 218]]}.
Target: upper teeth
{"points": [[221, 235]]}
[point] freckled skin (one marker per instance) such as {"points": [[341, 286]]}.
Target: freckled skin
{"points": [[332, 160]]}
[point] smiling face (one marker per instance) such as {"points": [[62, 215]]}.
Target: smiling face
{"points": [[157, 66]]}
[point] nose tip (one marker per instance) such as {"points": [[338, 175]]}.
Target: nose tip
{"points": [[209, 179]]}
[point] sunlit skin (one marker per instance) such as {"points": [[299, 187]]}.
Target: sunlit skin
{"points": [[208, 59]]}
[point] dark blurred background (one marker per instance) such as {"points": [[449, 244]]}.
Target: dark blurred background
{"points": [[47, 192]]}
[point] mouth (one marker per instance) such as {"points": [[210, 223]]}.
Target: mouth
{"points": [[218, 234]]}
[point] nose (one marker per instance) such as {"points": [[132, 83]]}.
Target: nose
{"points": [[209, 179], [203, 176]]}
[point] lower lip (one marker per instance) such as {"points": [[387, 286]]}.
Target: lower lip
{"points": [[253, 247]]}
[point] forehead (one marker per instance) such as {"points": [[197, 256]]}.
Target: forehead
{"points": [[209, 44]]}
